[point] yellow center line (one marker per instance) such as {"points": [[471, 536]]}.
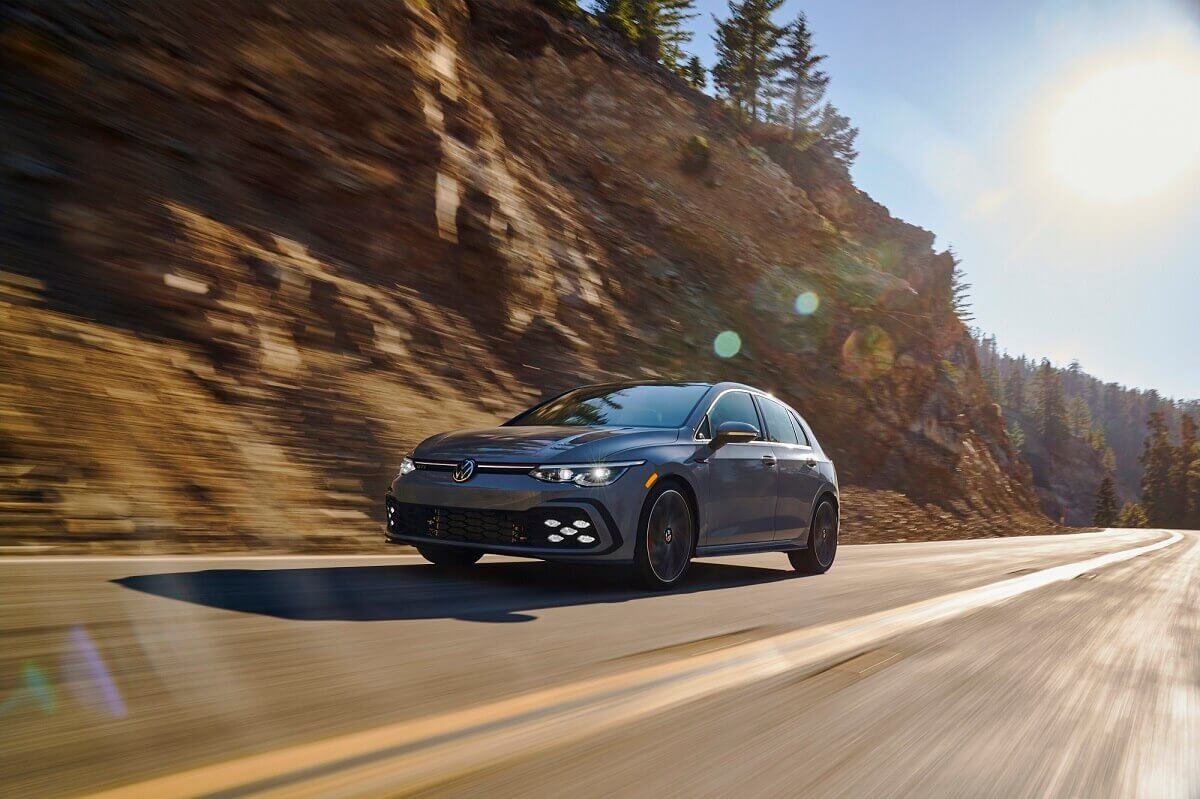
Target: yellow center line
{"points": [[409, 755]]}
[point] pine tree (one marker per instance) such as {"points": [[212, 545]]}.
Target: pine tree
{"points": [[1193, 489], [747, 62], [1109, 460], [729, 71], [1073, 377], [801, 85], [696, 75], [960, 294], [838, 134], [657, 27], [1014, 388], [1156, 472], [1079, 418], [1132, 515], [1181, 501], [1051, 407], [661, 29], [1106, 503], [617, 15], [1016, 436], [991, 379]]}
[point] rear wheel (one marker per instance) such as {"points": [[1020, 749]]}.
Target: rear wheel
{"points": [[665, 540], [818, 556], [449, 557]]}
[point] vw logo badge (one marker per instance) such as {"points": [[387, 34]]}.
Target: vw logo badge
{"points": [[465, 471]]}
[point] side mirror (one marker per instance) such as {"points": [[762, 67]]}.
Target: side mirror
{"points": [[733, 433]]}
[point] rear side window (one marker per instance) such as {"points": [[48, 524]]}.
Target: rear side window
{"points": [[779, 422], [736, 406], [800, 430]]}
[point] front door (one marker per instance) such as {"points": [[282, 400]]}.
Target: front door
{"points": [[742, 479]]}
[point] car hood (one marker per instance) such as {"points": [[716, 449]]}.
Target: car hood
{"points": [[536, 445]]}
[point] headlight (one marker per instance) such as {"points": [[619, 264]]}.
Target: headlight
{"points": [[406, 466], [586, 475]]}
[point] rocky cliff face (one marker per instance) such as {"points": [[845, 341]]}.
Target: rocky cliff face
{"points": [[252, 253]]}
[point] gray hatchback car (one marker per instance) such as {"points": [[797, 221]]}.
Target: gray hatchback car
{"points": [[646, 474]]}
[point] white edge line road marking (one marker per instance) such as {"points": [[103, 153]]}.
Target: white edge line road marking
{"points": [[12, 560], [409, 755]]}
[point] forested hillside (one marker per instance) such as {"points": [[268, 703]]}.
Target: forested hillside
{"points": [[1073, 429]]}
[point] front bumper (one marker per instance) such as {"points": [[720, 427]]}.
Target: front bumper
{"points": [[515, 514]]}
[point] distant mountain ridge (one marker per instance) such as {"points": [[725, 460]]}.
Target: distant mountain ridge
{"points": [[1104, 427]]}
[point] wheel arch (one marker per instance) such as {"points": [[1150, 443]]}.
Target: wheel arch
{"points": [[689, 493], [831, 495]]}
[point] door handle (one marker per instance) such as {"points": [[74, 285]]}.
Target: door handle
{"points": [[769, 460], [810, 462]]}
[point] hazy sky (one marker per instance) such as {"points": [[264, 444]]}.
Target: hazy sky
{"points": [[1055, 146]]}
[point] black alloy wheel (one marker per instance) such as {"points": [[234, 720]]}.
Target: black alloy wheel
{"points": [[818, 556], [666, 540]]}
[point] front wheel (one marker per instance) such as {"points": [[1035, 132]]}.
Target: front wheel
{"points": [[449, 557], [818, 556], [665, 539]]}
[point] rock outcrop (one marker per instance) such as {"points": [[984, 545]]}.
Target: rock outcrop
{"points": [[253, 252]]}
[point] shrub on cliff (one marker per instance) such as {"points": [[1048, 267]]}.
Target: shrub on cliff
{"points": [[1132, 515], [696, 156]]}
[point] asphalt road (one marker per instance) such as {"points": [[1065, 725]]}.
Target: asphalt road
{"points": [[1001, 667]]}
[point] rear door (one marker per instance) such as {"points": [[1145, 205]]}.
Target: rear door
{"points": [[799, 479], [739, 503]]}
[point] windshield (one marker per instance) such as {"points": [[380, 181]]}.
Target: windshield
{"points": [[629, 406]]}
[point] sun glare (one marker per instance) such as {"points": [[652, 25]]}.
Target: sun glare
{"points": [[1128, 131]]}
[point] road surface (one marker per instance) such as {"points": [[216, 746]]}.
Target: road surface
{"points": [[1050, 666]]}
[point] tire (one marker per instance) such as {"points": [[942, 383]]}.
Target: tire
{"points": [[666, 539], [449, 557], [818, 556]]}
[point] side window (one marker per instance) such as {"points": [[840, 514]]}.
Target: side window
{"points": [[800, 430], [779, 422], [736, 406], [704, 431]]}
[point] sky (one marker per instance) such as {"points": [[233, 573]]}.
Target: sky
{"points": [[1054, 145]]}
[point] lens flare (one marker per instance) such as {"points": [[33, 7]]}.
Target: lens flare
{"points": [[87, 676], [727, 344], [868, 353], [36, 690], [807, 303]]}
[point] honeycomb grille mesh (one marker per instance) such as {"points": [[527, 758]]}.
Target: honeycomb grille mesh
{"points": [[470, 525]]}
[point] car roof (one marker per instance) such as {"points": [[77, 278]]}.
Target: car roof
{"points": [[717, 388]]}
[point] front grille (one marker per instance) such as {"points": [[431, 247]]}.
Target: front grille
{"points": [[470, 525], [486, 526]]}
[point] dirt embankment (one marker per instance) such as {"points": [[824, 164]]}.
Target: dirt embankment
{"points": [[251, 253]]}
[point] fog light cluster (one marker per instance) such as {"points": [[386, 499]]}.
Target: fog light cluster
{"points": [[569, 531]]}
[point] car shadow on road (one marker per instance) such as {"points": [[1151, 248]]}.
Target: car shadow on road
{"points": [[488, 592]]}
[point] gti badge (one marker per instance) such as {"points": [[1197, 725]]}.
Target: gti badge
{"points": [[464, 471]]}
